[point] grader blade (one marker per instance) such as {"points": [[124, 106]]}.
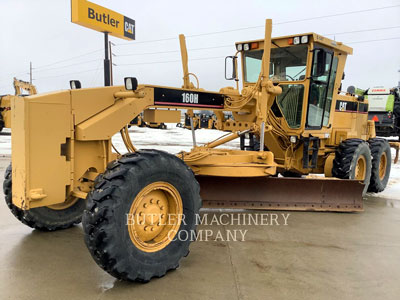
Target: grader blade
{"points": [[271, 193]]}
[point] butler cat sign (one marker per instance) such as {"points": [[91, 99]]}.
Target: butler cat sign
{"points": [[99, 18]]}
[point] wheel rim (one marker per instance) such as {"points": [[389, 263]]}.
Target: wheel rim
{"points": [[360, 168], [382, 166], [67, 203], [155, 216]]}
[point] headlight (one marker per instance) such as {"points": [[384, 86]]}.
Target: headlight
{"points": [[296, 40], [246, 47], [75, 84], [293, 139], [304, 39], [239, 47]]}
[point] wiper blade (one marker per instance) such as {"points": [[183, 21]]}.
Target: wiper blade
{"points": [[299, 72], [287, 92], [287, 51]]}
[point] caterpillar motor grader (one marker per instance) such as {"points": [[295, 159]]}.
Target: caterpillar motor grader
{"points": [[137, 207]]}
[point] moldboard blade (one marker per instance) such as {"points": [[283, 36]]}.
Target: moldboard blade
{"points": [[271, 193]]}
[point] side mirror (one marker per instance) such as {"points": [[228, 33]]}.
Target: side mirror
{"points": [[319, 68], [230, 66]]}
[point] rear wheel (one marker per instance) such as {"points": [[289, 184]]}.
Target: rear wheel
{"points": [[54, 217], [141, 215], [353, 161], [381, 164]]}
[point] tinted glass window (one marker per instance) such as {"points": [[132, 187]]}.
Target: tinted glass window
{"points": [[318, 93], [291, 103], [286, 63], [331, 87]]}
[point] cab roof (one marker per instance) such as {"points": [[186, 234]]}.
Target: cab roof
{"points": [[315, 37]]}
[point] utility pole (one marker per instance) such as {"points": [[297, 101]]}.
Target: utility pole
{"points": [[30, 73], [111, 64], [107, 78]]}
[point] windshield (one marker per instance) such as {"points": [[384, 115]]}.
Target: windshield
{"points": [[286, 63]]}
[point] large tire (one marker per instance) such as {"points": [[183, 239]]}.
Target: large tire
{"points": [[349, 154], [122, 187], [381, 164], [43, 218]]}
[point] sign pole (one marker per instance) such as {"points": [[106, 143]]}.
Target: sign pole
{"points": [[107, 77], [104, 20]]}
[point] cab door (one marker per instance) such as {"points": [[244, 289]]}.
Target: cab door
{"points": [[324, 69]]}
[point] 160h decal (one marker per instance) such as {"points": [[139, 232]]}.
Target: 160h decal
{"points": [[173, 97]]}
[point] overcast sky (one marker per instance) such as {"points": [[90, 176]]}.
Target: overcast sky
{"points": [[41, 31]]}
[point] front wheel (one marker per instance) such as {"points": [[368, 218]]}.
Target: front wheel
{"points": [[353, 161], [141, 215]]}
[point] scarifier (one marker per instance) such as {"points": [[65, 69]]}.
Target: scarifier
{"points": [[138, 203]]}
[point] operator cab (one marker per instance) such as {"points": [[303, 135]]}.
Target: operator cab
{"points": [[306, 67]]}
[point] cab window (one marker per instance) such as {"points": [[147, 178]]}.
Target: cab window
{"points": [[286, 63]]}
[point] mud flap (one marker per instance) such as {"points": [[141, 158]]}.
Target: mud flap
{"points": [[271, 193]]}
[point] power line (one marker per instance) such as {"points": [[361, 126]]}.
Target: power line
{"points": [[206, 58], [339, 14], [194, 59], [279, 23], [206, 48], [296, 21], [225, 31], [96, 74], [362, 30], [146, 53], [169, 61], [172, 51], [12, 75], [376, 40], [67, 66], [67, 59], [148, 41], [225, 46], [69, 74]]}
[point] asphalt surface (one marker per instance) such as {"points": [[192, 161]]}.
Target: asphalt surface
{"points": [[314, 256]]}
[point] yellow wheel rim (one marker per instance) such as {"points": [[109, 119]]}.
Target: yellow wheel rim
{"points": [[67, 203], [382, 166], [360, 168], [155, 216]]}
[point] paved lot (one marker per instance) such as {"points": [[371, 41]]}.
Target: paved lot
{"points": [[315, 256]]}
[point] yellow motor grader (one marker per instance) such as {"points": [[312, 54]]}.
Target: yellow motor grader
{"points": [[290, 113], [5, 106]]}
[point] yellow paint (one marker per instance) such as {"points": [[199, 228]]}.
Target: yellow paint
{"points": [[155, 216]]}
